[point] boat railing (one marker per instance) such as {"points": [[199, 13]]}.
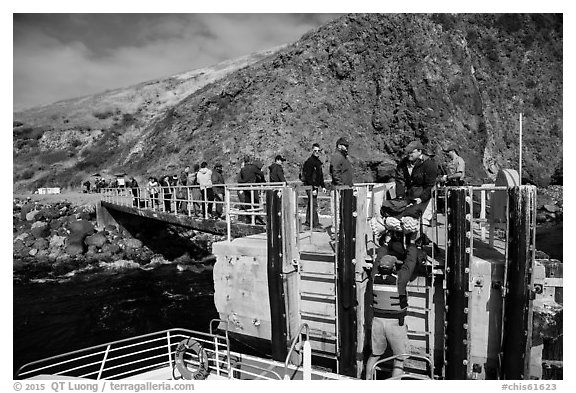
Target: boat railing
{"points": [[127, 357]]}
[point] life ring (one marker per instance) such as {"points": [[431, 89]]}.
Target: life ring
{"points": [[192, 345]]}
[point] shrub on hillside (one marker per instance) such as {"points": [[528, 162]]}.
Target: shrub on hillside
{"points": [[103, 114], [28, 133], [53, 157], [557, 177], [27, 174]]}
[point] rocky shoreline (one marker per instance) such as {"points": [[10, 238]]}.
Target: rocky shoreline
{"points": [[58, 239]]}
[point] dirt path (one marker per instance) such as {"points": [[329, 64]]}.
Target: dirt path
{"points": [[75, 197]]}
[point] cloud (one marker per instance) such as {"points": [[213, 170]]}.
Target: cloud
{"points": [[64, 56]]}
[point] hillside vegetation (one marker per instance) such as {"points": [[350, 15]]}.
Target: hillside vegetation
{"points": [[380, 80]]}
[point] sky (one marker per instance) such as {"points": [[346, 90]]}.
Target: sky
{"points": [[59, 56]]}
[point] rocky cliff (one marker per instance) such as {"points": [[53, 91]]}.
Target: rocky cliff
{"points": [[380, 80]]}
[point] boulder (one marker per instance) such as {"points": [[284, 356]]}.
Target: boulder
{"points": [[26, 208], [22, 236], [551, 208], [40, 229], [33, 252], [110, 228], [32, 215], [24, 251], [133, 243], [29, 241], [18, 246], [57, 241], [74, 249], [81, 228], [41, 244], [111, 248], [49, 213], [56, 223], [97, 239], [54, 254]]}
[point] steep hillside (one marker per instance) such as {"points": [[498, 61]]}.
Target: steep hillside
{"points": [[381, 80], [61, 144]]}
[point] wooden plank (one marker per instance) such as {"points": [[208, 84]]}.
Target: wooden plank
{"points": [[310, 305], [320, 285], [320, 323], [307, 266], [324, 344]]}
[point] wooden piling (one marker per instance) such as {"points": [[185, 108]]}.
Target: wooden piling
{"points": [[457, 276], [275, 279], [517, 327], [346, 282]]}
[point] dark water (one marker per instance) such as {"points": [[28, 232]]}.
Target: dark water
{"points": [[94, 308], [549, 239]]}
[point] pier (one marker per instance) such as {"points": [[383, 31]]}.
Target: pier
{"points": [[470, 306]]}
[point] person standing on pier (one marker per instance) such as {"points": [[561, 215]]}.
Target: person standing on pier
{"points": [[277, 171], [415, 177], [340, 166], [312, 176], [251, 173], [153, 189], [456, 168], [194, 192], [204, 179], [218, 188]]}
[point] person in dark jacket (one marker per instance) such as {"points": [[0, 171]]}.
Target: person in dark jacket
{"points": [[415, 177], [133, 185], [250, 173], [312, 176], [218, 190], [276, 170], [166, 188], [340, 166]]}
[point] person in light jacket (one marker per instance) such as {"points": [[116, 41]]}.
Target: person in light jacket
{"points": [[204, 179]]}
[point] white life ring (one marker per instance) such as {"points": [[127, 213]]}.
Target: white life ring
{"points": [[192, 345]]}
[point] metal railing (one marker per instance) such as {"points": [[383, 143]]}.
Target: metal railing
{"points": [[128, 357]]}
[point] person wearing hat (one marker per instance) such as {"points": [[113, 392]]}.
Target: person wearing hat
{"points": [[276, 170], [340, 166], [415, 177], [456, 168], [218, 189], [311, 175], [390, 309]]}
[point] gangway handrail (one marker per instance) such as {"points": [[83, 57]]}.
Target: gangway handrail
{"points": [[295, 340]]}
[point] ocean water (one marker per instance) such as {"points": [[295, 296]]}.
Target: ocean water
{"points": [[92, 308]]}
